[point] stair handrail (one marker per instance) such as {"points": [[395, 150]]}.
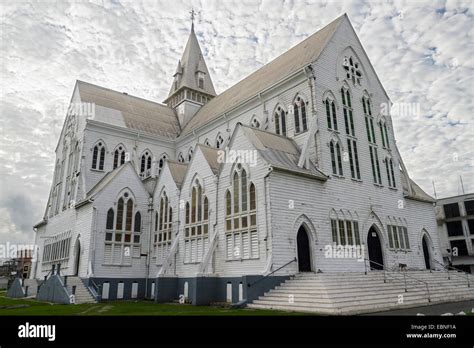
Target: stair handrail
{"points": [[448, 267], [94, 287], [269, 274], [404, 278]]}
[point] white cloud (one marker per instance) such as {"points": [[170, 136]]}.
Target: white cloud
{"points": [[422, 51]]}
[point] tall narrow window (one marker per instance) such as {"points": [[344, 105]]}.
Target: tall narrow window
{"points": [[163, 228], [331, 116], [123, 242], [369, 120], [241, 218], [161, 163], [336, 158], [347, 111], [196, 229], [353, 158], [374, 159], [280, 121], [98, 156], [299, 110], [384, 134], [145, 164], [392, 173], [119, 156], [110, 219]]}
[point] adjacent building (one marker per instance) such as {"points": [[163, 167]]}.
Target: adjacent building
{"points": [[455, 216]]}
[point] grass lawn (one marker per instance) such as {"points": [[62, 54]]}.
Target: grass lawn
{"points": [[33, 307]]}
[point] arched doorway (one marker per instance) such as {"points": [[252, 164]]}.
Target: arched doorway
{"points": [[374, 247], [77, 255], [304, 256], [426, 252]]}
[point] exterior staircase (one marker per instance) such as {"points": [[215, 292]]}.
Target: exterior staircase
{"points": [[81, 292], [355, 293]]}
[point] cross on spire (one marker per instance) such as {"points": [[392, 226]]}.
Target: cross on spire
{"points": [[193, 16]]}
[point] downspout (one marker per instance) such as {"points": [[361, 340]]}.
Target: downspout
{"points": [[148, 256], [93, 239], [177, 234], [269, 252]]}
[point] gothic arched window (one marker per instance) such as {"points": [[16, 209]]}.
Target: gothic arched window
{"points": [[331, 115], [299, 109], [119, 156], [163, 229], [98, 156], [122, 242], [196, 228], [161, 163], [241, 217], [336, 158], [280, 121], [145, 164]]}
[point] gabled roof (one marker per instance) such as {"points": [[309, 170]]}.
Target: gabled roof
{"points": [[281, 67], [417, 193], [280, 152], [104, 181], [130, 112], [178, 171], [211, 156], [191, 62]]}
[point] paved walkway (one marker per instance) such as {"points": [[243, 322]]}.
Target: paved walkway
{"points": [[437, 309]]}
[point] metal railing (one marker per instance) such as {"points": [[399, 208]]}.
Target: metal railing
{"points": [[96, 289], [269, 274], [386, 273], [447, 268]]}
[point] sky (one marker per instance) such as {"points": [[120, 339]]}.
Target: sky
{"points": [[422, 52]]}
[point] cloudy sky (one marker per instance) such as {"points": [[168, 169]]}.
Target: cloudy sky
{"points": [[422, 51]]}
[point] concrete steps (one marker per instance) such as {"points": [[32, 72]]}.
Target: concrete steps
{"points": [[353, 293], [82, 293]]}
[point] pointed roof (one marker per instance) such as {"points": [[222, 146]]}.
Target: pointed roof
{"points": [[273, 72], [177, 171], [191, 62], [280, 152], [211, 155], [417, 192]]}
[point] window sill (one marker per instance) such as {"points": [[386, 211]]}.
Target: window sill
{"points": [[301, 132], [393, 188], [357, 180], [241, 260], [378, 185], [338, 176], [97, 170], [192, 263], [400, 250]]}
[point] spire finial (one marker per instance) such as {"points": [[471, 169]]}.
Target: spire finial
{"points": [[193, 16]]}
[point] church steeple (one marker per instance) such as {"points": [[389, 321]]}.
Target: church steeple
{"points": [[192, 85]]}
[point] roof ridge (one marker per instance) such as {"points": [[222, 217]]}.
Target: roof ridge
{"points": [[325, 37], [124, 94]]}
